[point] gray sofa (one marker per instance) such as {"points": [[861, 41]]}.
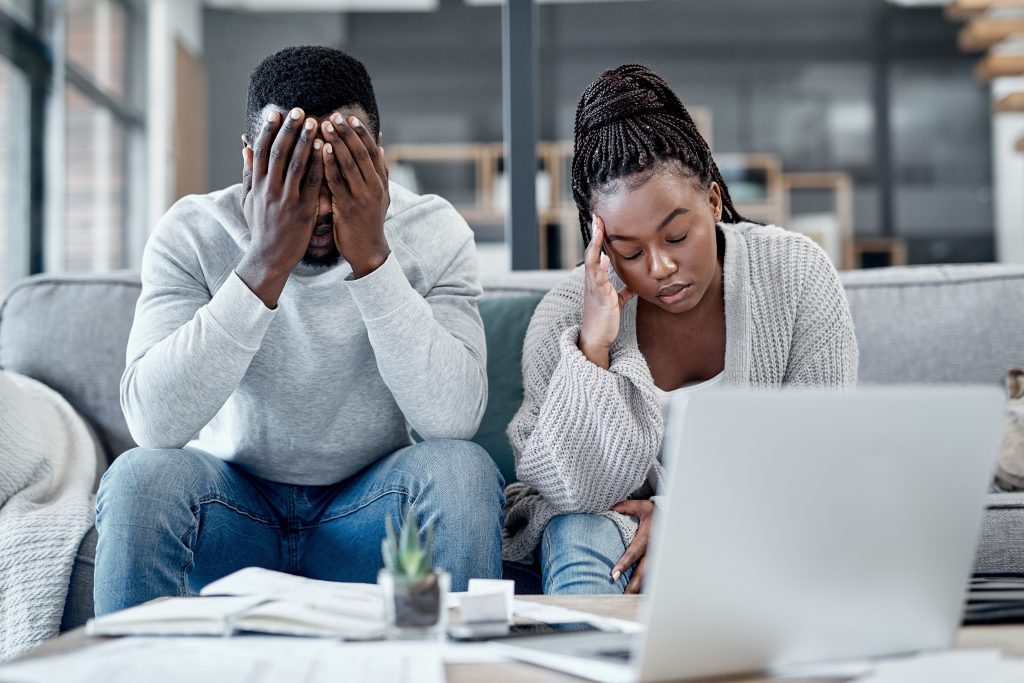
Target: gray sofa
{"points": [[914, 325]]}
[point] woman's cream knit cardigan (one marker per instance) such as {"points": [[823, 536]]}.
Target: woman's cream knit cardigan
{"points": [[586, 438]]}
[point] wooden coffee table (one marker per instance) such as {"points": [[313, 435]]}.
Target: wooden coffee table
{"points": [[1009, 639]]}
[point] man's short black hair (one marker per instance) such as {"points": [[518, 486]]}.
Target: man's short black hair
{"points": [[317, 79]]}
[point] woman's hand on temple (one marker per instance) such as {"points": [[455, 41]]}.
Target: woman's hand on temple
{"points": [[602, 304]]}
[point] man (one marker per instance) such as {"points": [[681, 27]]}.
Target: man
{"points": [[289, 332]]}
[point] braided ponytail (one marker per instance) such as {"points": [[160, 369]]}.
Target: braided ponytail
{"points": [[629, 121]]}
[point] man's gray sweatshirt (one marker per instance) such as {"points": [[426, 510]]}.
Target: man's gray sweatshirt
{"points": [[329, 381]]}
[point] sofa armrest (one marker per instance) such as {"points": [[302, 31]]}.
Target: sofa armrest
{"points": [[1001, 546]]}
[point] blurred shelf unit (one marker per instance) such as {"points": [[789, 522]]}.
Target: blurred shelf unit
{"points": [[1013, 102], [485, 211], [759, 188], [878, 252], [984, 31], [960, 10], [999, 64], [755, 185], [995, 27], [832, 229]]}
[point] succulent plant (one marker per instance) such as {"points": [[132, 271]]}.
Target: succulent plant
{"points": [[404, 555]]}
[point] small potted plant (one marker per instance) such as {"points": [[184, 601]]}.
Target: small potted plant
{"points": [[414, 591]]}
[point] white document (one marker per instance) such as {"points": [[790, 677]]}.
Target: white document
{"points": [[173, 616], [234, 660], [354, 599], [550, 614], [173, 660], [952, 666], [220, 616], [296, 619]]}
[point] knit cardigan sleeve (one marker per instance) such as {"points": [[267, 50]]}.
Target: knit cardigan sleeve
{"points": [[824, 349], [584, 437]]}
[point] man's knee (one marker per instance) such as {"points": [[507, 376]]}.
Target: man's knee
{"points": [[144, 480], [462, 472]]}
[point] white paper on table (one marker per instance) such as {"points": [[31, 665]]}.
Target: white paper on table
{"points": [[173, 616], [284, 617], [172, 660], [364, 600], [551, 614], [238, 660], [951, 666]]}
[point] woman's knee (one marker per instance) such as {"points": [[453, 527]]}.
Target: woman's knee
{"points": [[578, 552]]}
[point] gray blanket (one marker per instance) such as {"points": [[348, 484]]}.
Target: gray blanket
{"points": [[47, 469]]}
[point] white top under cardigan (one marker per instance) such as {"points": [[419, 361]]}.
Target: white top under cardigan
{"points": [[586, 438]]}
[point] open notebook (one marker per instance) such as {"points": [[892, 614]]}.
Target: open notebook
{"points": [[260, 601]]}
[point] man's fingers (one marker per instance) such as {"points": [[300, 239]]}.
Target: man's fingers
{"points": [[636, 581], [300, 158], [246, 171], [281, 150], [375, 159], [357, 150], [333, 175], [339, 167], [261, 148], [314, 177]]}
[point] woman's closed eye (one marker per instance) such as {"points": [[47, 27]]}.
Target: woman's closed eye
{"points": [[637, 255]]}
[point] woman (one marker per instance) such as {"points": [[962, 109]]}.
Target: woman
{"points": [[678, 293]]}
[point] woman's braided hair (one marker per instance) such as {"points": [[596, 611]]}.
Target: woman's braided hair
{"points": [[629, 121]]}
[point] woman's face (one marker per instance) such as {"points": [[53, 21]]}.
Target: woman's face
{"points": [[660, 236]]}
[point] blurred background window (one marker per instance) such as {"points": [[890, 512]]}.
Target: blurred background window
{"points": [[14, 176], [99, 122], [862, 124]]}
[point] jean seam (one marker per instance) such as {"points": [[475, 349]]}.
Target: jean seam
{"points": [[194, 528], [219, 500], [401, 490]]}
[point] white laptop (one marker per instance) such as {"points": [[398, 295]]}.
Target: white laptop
{"points": [[803, 527]]}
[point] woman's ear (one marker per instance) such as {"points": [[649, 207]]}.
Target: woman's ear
{"points": [[245, 140], [715, 201]]}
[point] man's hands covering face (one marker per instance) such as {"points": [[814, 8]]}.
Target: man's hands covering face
{"points": [[357, 177], [280, 185]]}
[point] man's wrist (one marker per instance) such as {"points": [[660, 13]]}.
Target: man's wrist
{"points": [[264, 277], [364, 265]]}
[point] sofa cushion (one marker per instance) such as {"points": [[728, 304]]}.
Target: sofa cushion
{"points": [[937, 323], [505, 320], [70, 332]]}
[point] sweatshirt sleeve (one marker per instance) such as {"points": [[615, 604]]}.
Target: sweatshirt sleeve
{"points": [[824, 350], [430, 349], [584, 437], [188, 350]]}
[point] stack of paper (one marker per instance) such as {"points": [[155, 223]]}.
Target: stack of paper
{"points": [[233, 660], [261, 601]]}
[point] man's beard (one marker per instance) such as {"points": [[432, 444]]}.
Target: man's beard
{"points": [[328, 260]]}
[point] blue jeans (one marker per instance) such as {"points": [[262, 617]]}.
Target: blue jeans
{"points": [[171, 521], [577, 553]]}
